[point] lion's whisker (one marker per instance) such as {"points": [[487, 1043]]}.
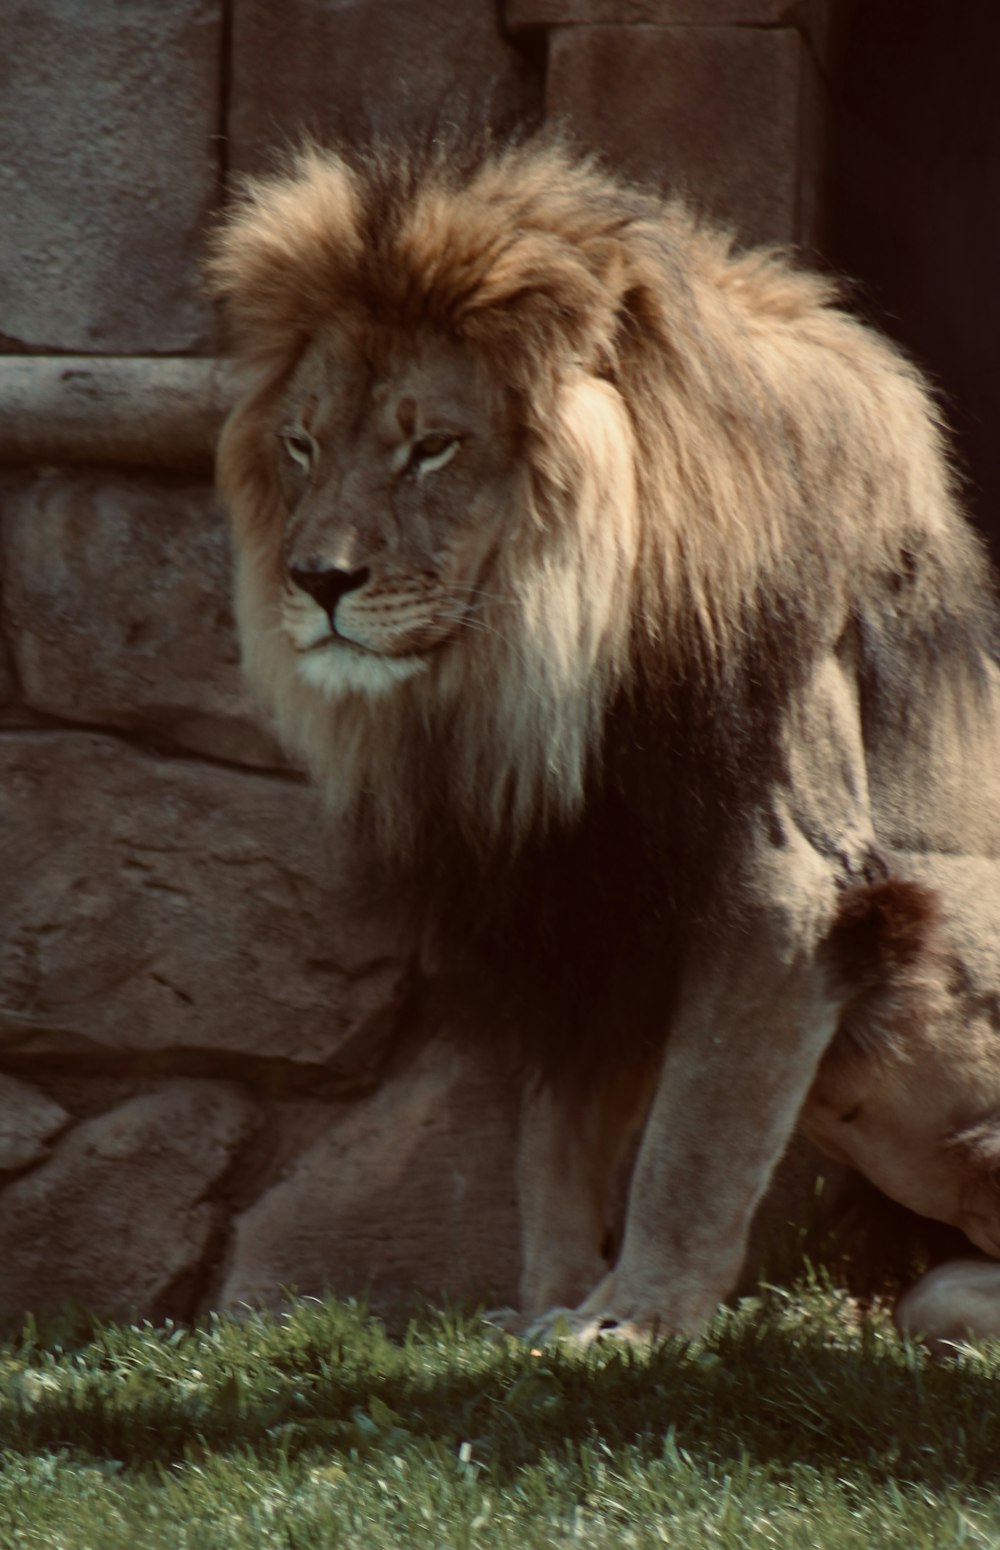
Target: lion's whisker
{"points": [[486, 597]]}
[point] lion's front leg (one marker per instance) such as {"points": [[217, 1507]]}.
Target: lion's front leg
{"points": [[728, 1099], [758, 1007], [716, 1131], [562, 1218], [575, 1144], [753, 1022]]}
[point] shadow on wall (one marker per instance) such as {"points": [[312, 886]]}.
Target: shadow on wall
{"points": [[914, 204]]}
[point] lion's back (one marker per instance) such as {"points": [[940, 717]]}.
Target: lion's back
{"points": [[876, 539]]}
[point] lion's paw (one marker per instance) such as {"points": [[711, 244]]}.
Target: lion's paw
{"points": [[533, 1328], [571, 1327], [503, 1321]]}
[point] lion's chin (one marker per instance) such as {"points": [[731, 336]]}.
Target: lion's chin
{"points": [[341, 668]]}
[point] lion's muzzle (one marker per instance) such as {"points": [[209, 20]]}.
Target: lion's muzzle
{"points": [[326, 585]]}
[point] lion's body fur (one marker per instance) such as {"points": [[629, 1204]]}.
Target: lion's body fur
{"points": [[733, 601]]}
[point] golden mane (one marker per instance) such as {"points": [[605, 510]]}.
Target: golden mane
{"points": [[697, 426]]}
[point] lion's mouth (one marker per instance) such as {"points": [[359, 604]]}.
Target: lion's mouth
{"points": [[340, 641], [341, 645], [336, 666]]}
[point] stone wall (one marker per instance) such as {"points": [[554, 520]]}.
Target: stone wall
{"points": [[217, 1071]]}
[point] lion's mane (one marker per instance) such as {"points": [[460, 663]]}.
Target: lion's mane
{"points": [[719, 467], [732, 656]]}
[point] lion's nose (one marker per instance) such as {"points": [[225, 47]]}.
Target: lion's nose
{"points": [[328, 585]]}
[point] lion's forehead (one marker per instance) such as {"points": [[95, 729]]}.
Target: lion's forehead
{"points": [[340, 390]]}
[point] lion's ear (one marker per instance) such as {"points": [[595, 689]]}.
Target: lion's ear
{"points": [[882, 928], [879, 953], [284, 255]]}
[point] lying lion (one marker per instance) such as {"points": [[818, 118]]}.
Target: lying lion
{"points": [[613, 582], [908, 1092]]}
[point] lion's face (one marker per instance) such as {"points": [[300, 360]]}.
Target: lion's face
{"points": [[926, 1131], [395, 476]]}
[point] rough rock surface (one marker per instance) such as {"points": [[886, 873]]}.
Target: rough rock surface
{"points": [[743, 161], [116, 593], [29, 1121], [661, 13], [140, 410], [361, 67], [107, 175], [118, 1216], [815, 19], [153, 904], [409, 1192], [8, 682]]}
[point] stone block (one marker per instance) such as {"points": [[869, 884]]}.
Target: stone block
{"points": [[111, 409], [408, 1194], [109, 122], [117, 1219], [8, 680], [29, 1121], [154, 905], [723, 115], [8, 684], [815, 19], [360, 67], [116, 603], [658, 13]]}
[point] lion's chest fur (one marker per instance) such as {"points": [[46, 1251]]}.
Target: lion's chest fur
{"points": [[578, 936]]}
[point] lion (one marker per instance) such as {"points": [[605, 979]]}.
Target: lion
{"points": [[908, 1091], [613, 581]]}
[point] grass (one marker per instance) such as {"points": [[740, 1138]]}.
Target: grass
{"points": [[793, 1424]]}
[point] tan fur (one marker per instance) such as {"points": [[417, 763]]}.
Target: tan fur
{"points": [[908, 1092], [602, 491], [951, 1305]]}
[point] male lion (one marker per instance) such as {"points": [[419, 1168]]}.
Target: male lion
{"points": [[614, 581]]}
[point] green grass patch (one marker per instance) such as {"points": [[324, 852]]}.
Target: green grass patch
{"points": [[792, 1424]]}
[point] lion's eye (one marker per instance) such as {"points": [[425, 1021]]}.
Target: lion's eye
{"points": [[433, 451], [300, 446]]}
